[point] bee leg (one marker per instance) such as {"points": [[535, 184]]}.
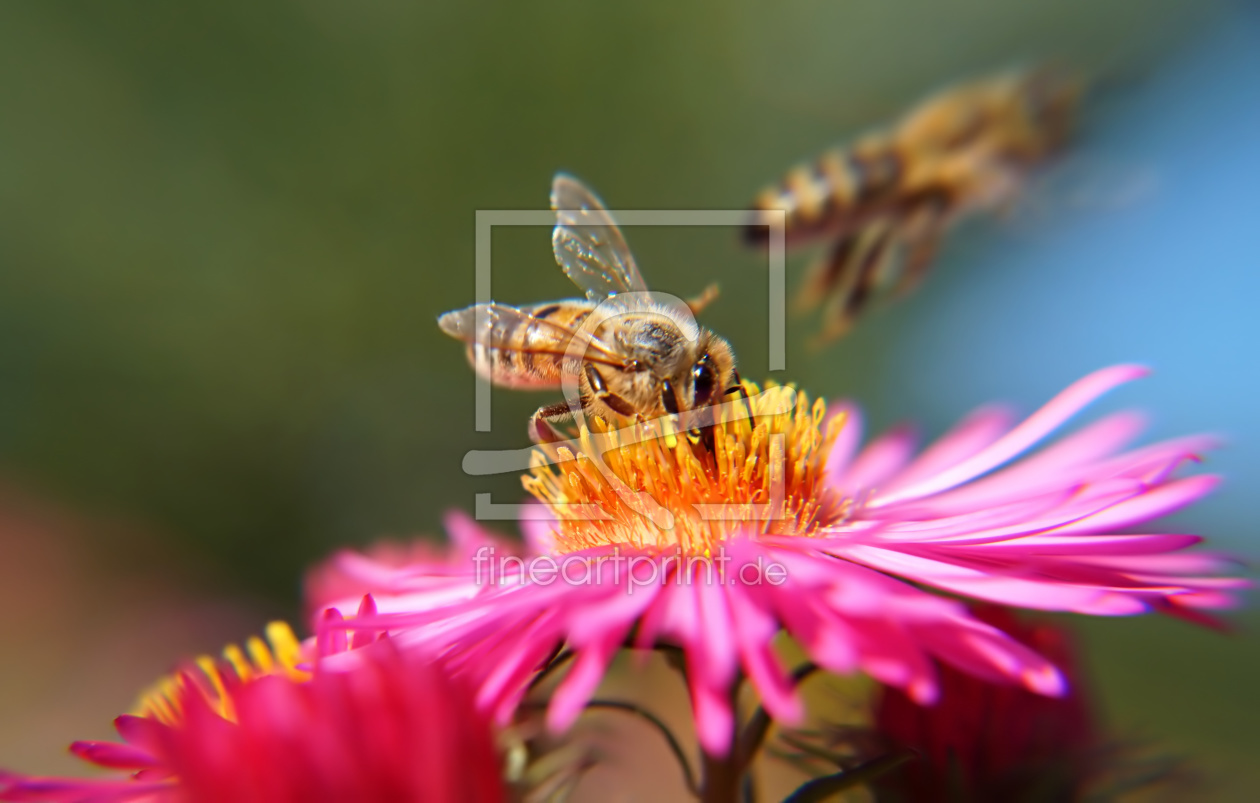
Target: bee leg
{"points": [[706, 297], [923, 244], [823, 276], [919, 257], [705, 438], [851, 297], [738, 387], [540, 430]]}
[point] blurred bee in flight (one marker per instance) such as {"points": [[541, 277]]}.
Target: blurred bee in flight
{"points": [[883, 203], [634, 356]]}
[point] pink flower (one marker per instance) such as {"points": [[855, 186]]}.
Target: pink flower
{"points": [[773, 520], [394, 729]]}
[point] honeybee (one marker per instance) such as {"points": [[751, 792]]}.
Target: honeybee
{"points": [[884, 202], [633, 355]]}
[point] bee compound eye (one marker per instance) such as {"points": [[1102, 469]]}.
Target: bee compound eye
{"points": [[704, 382], [669, 399]]}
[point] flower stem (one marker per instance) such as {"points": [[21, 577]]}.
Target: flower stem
{"points": [[721, 779], [820, 789], [675, 746], [723, 774], [557, 660], [754, 733]]}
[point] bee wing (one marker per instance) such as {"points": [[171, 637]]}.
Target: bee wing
{"points": [[587, 243], [502, 322]]}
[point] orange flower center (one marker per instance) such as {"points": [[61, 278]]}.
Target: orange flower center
{"points": [[756, 467]]}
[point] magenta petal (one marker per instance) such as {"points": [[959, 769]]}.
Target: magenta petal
{"points": [[367, 609], [715, 721], [1092, 442], [1152, 504], [847, 442], [466, 534], [143, 732], [1036, 427], [879, 461], [538, 529], [112, 754], [71, 790], [579, 685], [711, 651], [975, 432], [755, 630], [1055, 544], [331, 639], [990, 653], [1206, 600]]}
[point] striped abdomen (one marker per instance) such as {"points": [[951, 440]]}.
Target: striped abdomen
{"points": [[841, 191], [960, 149], [529, 350]]}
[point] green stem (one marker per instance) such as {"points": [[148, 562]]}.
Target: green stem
{"points": [[754, 733], [721, 779], [822, 788], [723, 775], [674, 745], [557, 660]]}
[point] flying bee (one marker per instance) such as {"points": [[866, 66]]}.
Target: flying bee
{"points": [[884, 202], [632, 356]]}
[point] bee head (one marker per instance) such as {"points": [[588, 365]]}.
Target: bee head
{"points": [[665, 373]]}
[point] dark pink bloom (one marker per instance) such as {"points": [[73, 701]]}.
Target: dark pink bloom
{"points": [[776, 521], [394, 729], [985, 742]]}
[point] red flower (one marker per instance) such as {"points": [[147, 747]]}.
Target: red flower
{"points": [[393, 728]]}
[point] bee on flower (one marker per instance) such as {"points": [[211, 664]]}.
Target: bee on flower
{"points": [[773, 520]]}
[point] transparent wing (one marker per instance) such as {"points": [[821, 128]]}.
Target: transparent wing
{"points": [[513, 329], [588, 244]]}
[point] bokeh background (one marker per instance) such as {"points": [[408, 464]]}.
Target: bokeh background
{"points": [[226, 230]]}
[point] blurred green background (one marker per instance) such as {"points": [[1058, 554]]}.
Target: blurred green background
{"points": [[226, 230]]}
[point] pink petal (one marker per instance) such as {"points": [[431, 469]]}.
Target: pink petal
{"points": [[973, 433], [466, 534], [847, 442], [538, 529], [1150, 505], [571, 697], [879, 461], [143, 732], [112, 754], [1057, 544], [715, 721], [989, 653], [755, 630], [1036, 427]]}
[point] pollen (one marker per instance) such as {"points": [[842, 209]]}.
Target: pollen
{"points": [[754, 466], [210, 677]]}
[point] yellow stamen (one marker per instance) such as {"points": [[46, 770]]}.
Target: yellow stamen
{"points": [[758, 469], [211, 677]]}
